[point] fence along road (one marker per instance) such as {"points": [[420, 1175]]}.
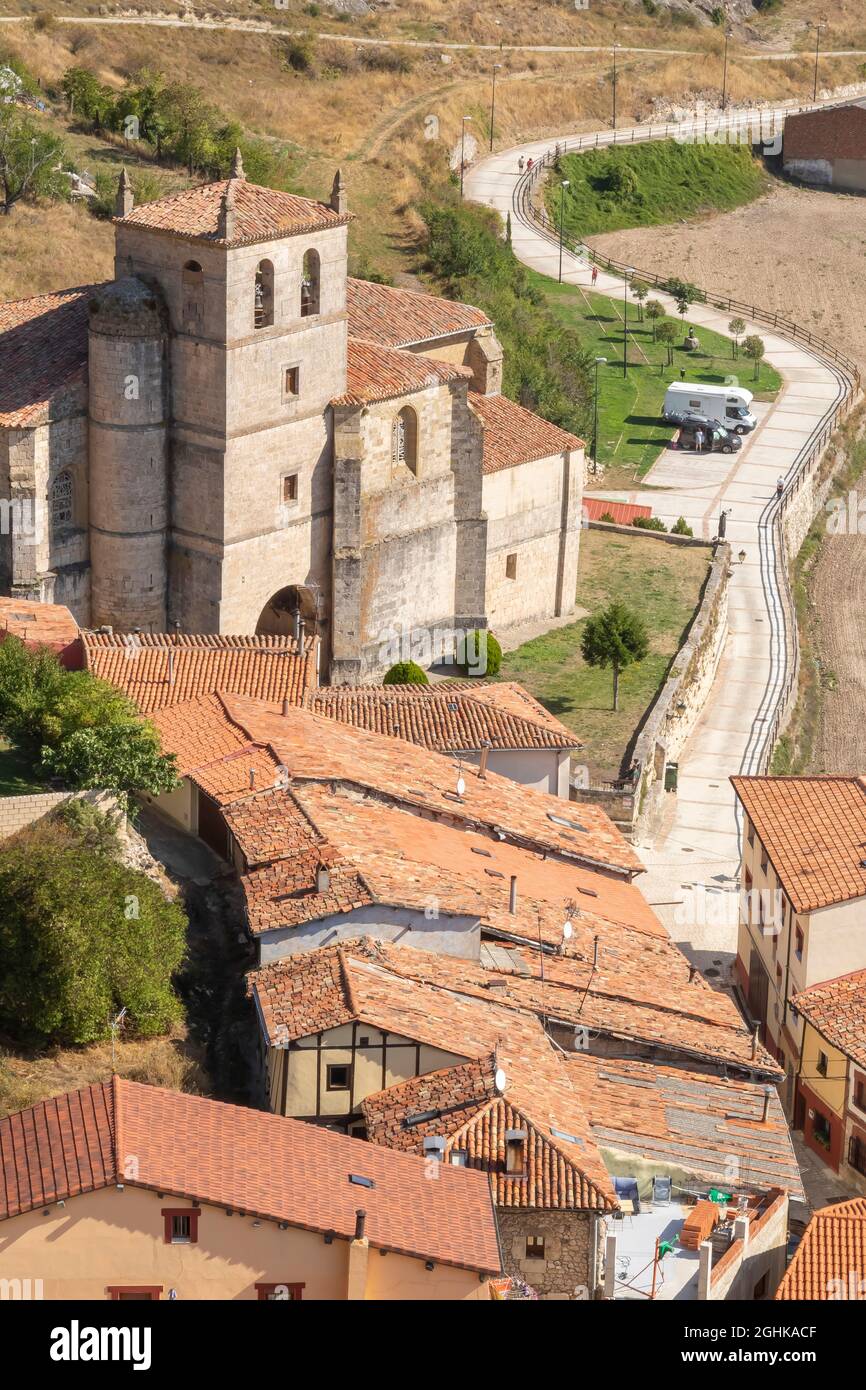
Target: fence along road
{"points": [[755, 685]]}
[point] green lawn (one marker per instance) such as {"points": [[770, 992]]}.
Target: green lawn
{"points": [[663, 583], [648, 185], [630, 432], [17, 777]]}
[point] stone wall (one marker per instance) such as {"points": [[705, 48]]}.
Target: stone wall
{"points": [[17, 812], [568, 1269]]}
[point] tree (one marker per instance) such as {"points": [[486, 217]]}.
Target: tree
{"points": [[683, 303], [640, 290], [30, 159], [81, 937], [119, 757], [405, 673], [753, 347], [190, 124], [681, 527], [480, 654], [667, 333], [736, 328], [615, 638], [655, 311]]}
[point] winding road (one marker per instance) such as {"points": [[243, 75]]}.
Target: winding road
{"points": [[697, 842]]}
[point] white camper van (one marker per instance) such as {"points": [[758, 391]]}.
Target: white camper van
{"points": [[730, 405]]}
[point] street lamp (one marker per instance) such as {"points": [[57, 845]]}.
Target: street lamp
{"points": [[629, 271], [729, 33], [566, 183], [496, 68], [463, 149], [818, 26], [615, 47], [599, 361]]}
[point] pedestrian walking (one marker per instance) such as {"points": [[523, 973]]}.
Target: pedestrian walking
{"points": [[594, 275], [520, 163], [699, 440], [529, 164]]}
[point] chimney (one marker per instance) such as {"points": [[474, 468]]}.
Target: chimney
{"points": [[360, 1223], [768, 1091], [339, 198], [296, 624], [755, 1041], [693, 970], [512, 894], [237, 169], [482, 766], [323, 878], [252, 779], [171, 665], [285, 705], [359, 1256], [124, 201]]}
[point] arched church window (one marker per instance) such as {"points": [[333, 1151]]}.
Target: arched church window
{"points": [[61, 501], [264, 295], [192, 282], [310, 285], [404, 440]]}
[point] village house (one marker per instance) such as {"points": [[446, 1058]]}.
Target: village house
{"points": [[803, 881], [121, 1191], [830, 1260], [830, 1102], [234, 436]]}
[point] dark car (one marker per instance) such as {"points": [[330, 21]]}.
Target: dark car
{"points": [[721, 441]]}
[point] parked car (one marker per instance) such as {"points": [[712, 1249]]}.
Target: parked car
{"points": [[721, 441], [730, 404]]}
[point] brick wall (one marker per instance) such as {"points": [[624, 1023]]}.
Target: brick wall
{"points": [[16, 812]]}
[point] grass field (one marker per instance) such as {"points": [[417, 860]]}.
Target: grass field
{"points": [[630, 433], [648, 185], [663, 583], [17, 777]]}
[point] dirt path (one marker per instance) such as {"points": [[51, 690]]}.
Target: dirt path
{"points": [[799, 251]]}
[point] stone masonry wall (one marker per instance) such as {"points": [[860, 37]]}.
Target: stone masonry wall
{"points": [[566, 1272], [16, 812]]}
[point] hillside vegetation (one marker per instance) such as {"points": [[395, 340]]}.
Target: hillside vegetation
{"points": [[652, 184]]}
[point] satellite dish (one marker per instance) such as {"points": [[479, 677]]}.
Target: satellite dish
{"points": [[461, 786], [567, 931], [500, 1080]]}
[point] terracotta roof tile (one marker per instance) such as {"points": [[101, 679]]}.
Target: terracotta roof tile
{"points": [[38, 624], [623, 513], [828, 1263], [449, 720], [708, 1126], [513, 435], [837, 1009], [43, 351], [261, 214], [228, 1155], [814, 829], [375, 373], [396, 317], [158, 669], [511, 698]]}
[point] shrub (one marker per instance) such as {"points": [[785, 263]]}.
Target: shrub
{"points": [[81, 937], [406, 673], [681, 527], [649, 523], [608, 517], [299, 53], [480, 654]]}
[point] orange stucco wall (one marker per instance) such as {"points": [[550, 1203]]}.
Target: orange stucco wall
{"points": [[110, 1238]]}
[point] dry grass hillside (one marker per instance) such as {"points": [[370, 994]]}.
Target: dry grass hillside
{"points": [[367, 107]]}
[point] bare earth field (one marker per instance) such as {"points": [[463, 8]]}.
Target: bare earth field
{"points": [[838, 593], [797, 251]]}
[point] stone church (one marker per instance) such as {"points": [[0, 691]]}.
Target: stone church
{"points": [[234, 436]]}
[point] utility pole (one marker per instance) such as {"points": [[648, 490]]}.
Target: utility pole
{"points": [[599, 361], [819, 25], [615, 47], [496, 68], [628, 274], [566, 183], [728, 35], [463, 150]]}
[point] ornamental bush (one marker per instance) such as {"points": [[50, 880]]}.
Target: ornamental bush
{"points": [[406, 673]]}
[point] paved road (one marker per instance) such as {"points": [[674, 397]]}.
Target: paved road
{"points": [[698, 843]]}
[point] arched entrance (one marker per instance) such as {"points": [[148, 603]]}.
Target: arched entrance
{"points": [[289, 607]]}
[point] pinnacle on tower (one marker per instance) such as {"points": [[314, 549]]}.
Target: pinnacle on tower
{"points": [[237, 169], [125, 200], [339, 197], [227, 215]]}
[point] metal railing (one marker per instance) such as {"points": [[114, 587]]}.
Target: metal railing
{"points": [[845, 369]]}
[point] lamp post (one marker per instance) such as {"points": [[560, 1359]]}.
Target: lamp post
{"points": [[599, 361], [566, 183], [818, 26], [463, 150], [496, 68], [629, 271], [615, 47], [728, 35]]}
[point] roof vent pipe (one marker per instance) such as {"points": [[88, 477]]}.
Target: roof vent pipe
{"points": [[360, 1223], [512, 894], [252, 779], [171, 665], [285, 705], [768, 1091], [482, 766], [757, 1030]]}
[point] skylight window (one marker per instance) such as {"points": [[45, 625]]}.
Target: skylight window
{"points": [[562, 820]]}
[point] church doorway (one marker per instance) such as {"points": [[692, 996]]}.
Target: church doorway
{"points": [[283, 614]]}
